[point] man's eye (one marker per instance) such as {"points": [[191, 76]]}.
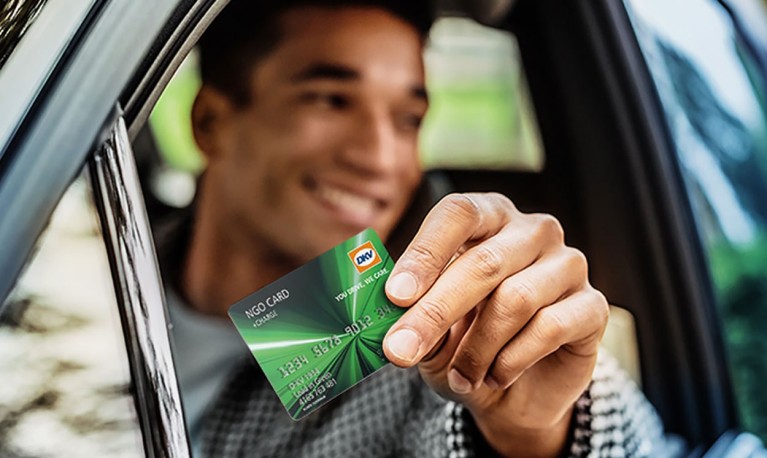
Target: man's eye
{"points": [[329, 100]]}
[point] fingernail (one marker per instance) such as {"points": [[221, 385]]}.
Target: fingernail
{"points": [[491, 383], [404, 344], [402, 286], [458, 383]]}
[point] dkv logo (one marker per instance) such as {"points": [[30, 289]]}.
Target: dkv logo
{"points": [[364, 257]]}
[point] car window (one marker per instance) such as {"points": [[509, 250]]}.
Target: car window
{"points": [[480, 117], [66, 386], [712, 92]]}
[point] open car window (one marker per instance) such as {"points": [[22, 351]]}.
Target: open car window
{"points": [[469, 101], [479, 118]]}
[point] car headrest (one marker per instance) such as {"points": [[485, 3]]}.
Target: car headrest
{"points": [[488, 12]]}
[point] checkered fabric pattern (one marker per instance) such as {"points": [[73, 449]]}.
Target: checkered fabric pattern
{"points": [[395, 414], [613, 418]]}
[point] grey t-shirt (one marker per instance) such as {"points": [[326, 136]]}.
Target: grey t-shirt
{"points": [[206, 349]]}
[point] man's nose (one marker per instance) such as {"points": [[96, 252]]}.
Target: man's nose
{"points": [[371, 145]]}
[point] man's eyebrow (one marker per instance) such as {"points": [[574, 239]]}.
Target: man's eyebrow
{"points": [[340, 72], [326, 70]]}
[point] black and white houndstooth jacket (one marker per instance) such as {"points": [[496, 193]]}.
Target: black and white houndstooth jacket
{"points": [[395, 414]]}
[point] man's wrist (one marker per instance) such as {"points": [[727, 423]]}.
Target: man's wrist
{"points": [[510, 440]]}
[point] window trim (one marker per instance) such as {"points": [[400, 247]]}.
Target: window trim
{"points": [[166, 56], [140, 295]]}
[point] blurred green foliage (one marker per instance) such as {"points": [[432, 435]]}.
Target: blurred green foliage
{"points": [[171, 119], [484, 125], [740, 279]]}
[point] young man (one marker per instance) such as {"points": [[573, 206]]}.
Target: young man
{"points": [[309, 116]]}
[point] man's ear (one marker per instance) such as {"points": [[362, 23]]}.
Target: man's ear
{"points": [[211, 120]]}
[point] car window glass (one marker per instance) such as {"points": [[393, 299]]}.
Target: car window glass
{"points": [[710, 88], [66, 387]]}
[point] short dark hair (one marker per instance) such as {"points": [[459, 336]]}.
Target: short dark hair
{"points": [[247, 30]]}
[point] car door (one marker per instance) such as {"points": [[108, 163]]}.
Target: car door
{"points": [[87, 368]]}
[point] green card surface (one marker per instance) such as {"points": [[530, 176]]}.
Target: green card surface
{"points": [[318, 331]]}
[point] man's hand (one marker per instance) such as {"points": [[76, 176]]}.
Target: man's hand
{"points": [[501, 318]]}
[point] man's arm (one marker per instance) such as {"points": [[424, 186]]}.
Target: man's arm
{"points": [[501, 319]]}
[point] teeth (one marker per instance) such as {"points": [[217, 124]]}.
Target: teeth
{"points": [[346, 200]]}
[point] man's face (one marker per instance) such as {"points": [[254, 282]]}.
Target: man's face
{"points": [[327, 145]]}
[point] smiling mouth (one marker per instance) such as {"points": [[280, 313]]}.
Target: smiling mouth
{"points": [[350, 207]]}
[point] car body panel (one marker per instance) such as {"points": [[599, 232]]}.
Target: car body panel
{"points": [[68, 121]]}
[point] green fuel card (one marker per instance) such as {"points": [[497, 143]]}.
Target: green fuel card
{"points": [[318, 331]]}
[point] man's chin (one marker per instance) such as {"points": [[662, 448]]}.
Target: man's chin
{"points": [[303, 247], [316, 236], [333, 237]]}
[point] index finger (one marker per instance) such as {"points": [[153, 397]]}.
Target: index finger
{"points": [[454, 221]]}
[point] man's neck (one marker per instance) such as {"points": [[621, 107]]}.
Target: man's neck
{"points": [[219, 270]]}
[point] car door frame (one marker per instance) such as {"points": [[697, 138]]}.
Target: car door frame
{"points": [[74, 119]]}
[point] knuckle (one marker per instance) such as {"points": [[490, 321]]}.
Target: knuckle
{"points": [[490, 329], [505, 368], [501, 202], [501, 313], [434, 316], [462, 206], [601, 306], [422, 256], [518, 295], [548, 228], [470, 363], [488, 261], [577, 262], [552, 328]]}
